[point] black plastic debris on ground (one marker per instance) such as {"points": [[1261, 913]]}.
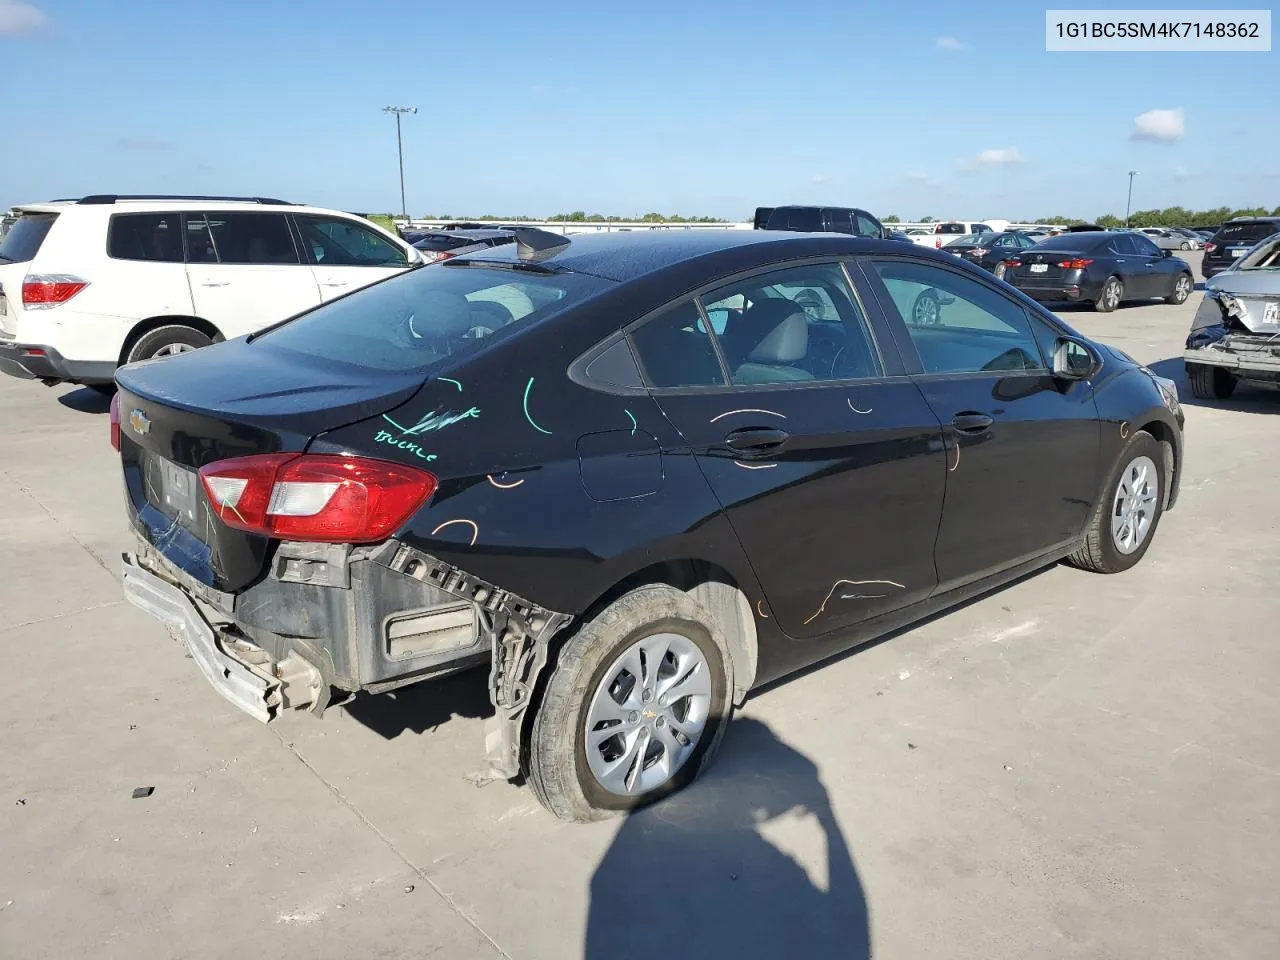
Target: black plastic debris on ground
{"points": [[141, 792]]}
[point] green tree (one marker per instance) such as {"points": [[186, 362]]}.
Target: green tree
{"points": [[926, 219], [891, 218]]}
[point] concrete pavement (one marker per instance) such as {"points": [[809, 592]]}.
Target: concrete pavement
{"points": [[1076, 766]]}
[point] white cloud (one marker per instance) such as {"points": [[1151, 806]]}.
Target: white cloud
{"points": [[1000, 157], [17, 18], [948, 43], [1162, 125]]}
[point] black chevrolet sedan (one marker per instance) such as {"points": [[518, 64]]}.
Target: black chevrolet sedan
{"points": [[635, 476], [1103, 267]]}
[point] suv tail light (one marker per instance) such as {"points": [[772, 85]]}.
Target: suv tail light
{"points": [[43, 290], [1078, 264], [1210, 246], [333, 499], [115, 420], [937, 244]]}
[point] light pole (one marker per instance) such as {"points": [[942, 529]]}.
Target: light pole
{"points": [[1129, 203], [400, 150]]}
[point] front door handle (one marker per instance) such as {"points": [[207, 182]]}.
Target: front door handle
{"points": [[756, 439], [214, 283], [971, 423]]}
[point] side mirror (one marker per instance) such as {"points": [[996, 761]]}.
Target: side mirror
{"points": [[413, 255], [1166, 253], [1072, 360]]}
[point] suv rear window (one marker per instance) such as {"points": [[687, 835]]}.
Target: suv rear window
{"points": [[1250, 232], [145, 236], [420, 318], [25, 236]]}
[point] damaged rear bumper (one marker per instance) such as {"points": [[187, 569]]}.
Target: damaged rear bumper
{"points": [[333, 617], [1253, 357]]}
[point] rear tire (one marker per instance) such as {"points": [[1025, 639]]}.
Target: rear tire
{"points": [[1185, 245], [1110, 295], [168, 340], [999, 270], [106, 389], [1210, 382], [564, 779], [1103, 550]]}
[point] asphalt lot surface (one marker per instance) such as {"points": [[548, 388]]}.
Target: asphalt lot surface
{"points": [[1075, 766]]}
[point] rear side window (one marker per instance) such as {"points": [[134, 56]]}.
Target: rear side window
{"points": [[145, 236], [243, 238], [1249, 232], [803, 220], [839, 221], [676, 350], [421, 318], [25, 236]]}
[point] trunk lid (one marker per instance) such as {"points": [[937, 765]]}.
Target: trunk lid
{"points": [[1251, 296], [1043, 264], [235, 399]]}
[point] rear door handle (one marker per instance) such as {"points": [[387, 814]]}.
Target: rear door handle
{"points": [[214, 283], [756, 439], [335, 283], [971, 423]]}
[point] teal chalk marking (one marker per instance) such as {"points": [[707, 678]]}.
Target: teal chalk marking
{"points": [[634, 425], [527, 387], [394, 424], [451, 380]]}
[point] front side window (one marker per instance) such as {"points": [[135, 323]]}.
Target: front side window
{"points": [[333, 242], [145, 236], [793, 325], [957, 324], [868, 227], [1123, 245]]}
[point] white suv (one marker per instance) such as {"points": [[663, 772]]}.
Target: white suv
{"points": [[88, 285]]}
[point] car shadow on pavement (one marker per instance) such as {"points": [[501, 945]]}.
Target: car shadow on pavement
{"points": [[1246, 398], [420, 707], [699, 876], [85, 400]]}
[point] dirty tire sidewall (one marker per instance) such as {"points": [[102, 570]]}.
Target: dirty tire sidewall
{"points": [[558, 769], [1099, 552], [1103, 304], [168, 335]]}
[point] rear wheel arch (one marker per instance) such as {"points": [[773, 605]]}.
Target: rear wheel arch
{"points": [[143, 327]]}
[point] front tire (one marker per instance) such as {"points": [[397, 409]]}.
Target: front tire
{"points": [[1181, 289], [1124, 521], [1110, 296], [635, 706], [1210, 382], [169, 340]]}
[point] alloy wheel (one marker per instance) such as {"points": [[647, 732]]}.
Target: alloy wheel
{"points": [[1182, 289], [1112, 293], [173, 349], [1134, 508], [647, 714]]}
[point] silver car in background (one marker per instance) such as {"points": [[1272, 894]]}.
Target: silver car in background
{"points": [[1236, 331], [1168, 238]]}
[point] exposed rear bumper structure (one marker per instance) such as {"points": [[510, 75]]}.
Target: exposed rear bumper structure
{"points": [[1253, 357]]}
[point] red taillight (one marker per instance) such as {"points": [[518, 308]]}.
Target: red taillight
{"points": [[435, 256], [115, 420], [937, 244], [333, 499], [1210, 246], [1012, 262], [41, 290], [1074, 264]]}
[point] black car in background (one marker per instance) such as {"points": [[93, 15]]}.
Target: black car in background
{"points": [[686, 465], [800, 219], [990, 250], [1106, 268], [1233, 240]]}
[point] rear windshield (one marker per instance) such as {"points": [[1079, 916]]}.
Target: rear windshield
{"points": [[1249, 232], [1073, 241], [429, 314], [443, 243], [25, 236]]}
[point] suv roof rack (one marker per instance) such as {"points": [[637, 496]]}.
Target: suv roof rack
{"points": [[97, 198]]}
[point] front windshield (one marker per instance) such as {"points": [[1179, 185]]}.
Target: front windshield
{"points": [[1265, 256], [428, 315]]}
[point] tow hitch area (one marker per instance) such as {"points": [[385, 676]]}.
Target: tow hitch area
{"points": [[518, 633]]}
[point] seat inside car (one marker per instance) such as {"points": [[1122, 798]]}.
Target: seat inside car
{"points": [[780, 333]]}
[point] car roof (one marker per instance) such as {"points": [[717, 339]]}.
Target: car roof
{"points": [[624, 256], [160, 204]]}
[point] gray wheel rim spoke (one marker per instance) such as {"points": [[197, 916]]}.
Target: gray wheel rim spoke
{"points": [[647, 714], [1134, 508], [171, 349]]}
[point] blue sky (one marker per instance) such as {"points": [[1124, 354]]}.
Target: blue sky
{"points": [[710, 107]]}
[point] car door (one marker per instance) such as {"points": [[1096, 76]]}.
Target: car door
{"points": [[244, 270], [825, 456], [1157, 268], [346, 255], [1022, 445], [1130, 265]]}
